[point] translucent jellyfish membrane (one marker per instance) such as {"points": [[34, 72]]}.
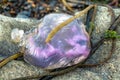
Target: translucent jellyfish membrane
{"points": [[69, 46]]}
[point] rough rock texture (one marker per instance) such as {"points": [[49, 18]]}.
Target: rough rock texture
{"points": [[7, 47], [109, 71]]}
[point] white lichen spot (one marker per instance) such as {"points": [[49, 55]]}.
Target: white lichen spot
{"points": [[16, 35]]}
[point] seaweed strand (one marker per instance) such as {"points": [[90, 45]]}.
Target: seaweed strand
{"points": [[67, 5], [8, 59], [63, 24]]}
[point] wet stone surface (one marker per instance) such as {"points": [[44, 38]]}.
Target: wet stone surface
{"points": [[109, 71]]}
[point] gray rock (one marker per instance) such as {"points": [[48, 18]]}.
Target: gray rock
{"points": [[7, 47], [108, 71]]}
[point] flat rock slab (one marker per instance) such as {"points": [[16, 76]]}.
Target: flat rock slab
{"points": [[109, 71]]}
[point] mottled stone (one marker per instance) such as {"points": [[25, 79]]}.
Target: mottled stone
{"points": [[109, 71], [16, 69]]}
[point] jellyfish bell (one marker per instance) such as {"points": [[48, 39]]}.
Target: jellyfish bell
{"points": [[69, 46]]}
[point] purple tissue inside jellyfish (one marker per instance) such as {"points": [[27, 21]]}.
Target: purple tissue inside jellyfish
{"points": [[69, 46]]}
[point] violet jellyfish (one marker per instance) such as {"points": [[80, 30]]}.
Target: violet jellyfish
{"points": [[69, 46]]}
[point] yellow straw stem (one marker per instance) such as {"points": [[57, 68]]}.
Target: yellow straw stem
{"points": [[6, 60], [60, 26], [67, 5]]}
